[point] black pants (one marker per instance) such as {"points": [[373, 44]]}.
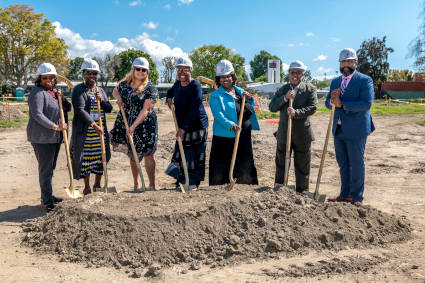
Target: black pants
{"points": [[46, 154], [302, 159]]}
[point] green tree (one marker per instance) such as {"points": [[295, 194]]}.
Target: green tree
{"points": [[126, 58], [169, 69], [417, 45], [107, 65], [27, 40], [259, 65], [206, 57], [307, 78], [373, 60], [74, 66], [400, 75]]}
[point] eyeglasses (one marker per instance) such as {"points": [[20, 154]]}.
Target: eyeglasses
{"points": [[88, 73], [140, 69], [48, 78], [299, 73]]}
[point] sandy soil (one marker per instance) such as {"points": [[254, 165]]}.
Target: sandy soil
{"points": [[395, 181]]}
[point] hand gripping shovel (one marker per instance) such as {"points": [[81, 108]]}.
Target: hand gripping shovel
{"points": [[133, 149], [288, 147], [316, 195], [105, 188], [184, 187], [235, 147], [71, 191]]}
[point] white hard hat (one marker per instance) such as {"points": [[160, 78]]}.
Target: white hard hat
{"points": [[297, 65], [347, 54], [90, 64], [141, 62], [46, 69], [184, 62], [224, 67]]}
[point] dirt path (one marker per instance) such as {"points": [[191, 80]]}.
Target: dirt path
{"points": [[395, 179]]}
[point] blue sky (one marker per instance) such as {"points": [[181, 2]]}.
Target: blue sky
{"points": [[309, 30]]}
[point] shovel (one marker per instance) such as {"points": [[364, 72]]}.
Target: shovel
{"points": [[105, 188], [71, 192], [184, 187], [316, 195], [288, 147], [133, 149], [235, 147]]}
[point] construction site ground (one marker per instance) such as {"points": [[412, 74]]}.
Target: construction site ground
{"points": [[251, 234]]}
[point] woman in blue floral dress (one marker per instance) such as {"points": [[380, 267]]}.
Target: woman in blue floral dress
{"points": [[138, 96]]}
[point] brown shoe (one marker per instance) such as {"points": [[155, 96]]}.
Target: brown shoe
{"points": [[86, 191], [339, 199]]}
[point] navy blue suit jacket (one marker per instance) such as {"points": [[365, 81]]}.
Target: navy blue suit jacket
{"points": [[356, 121]]}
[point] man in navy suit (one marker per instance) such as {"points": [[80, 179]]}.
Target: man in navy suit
{"points": [[352, 94]]}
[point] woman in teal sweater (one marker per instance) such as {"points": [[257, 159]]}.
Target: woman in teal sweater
{"points": [[225, 105]]}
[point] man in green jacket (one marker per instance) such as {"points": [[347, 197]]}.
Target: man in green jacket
{"points": [[304, 105]]}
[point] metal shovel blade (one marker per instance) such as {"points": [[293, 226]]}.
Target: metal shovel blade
{"points": [[107, 190], [72, 193], [230, 186], [319, 198]]}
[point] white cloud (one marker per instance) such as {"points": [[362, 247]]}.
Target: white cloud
{"points": [[80, 47], [150, 25], [291, 45], [285, 67], [167, 6], [322, 70], [320, 58], [301, 43], [186, 2], [135, 3], [335, 39], [309, 34]]}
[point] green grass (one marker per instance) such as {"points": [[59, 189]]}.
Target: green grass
{"points": [[17, 123], [390, 110]]}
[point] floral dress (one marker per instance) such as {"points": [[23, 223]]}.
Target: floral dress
{"points": [[145, 136]]}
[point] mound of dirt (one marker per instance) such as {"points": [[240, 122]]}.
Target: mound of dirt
{"points": [[207, 227]]}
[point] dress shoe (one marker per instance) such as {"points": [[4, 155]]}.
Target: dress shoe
{"points": [[49, 206], [56, 199], [339, 199]]}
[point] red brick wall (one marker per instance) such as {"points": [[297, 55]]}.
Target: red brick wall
{"points": [[403, 86]]}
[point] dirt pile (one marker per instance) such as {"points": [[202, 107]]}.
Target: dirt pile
{"points": [[207, 227]]}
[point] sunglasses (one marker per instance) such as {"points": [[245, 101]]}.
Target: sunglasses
{"points": [[88, 73], [140, 69], [48, 78]]}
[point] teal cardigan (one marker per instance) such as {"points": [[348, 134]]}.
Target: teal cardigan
{"points": [[224, 111]]}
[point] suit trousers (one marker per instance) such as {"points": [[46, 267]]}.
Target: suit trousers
{"points": [[302, 159], [350, 158], [46, 154]]}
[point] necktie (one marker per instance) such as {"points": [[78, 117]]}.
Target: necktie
{"points": [[344, 85]]}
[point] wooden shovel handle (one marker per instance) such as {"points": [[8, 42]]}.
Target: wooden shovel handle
{"points": [[133, 149], [65, 141], [325, 149], [179, 141], [238, 134]]}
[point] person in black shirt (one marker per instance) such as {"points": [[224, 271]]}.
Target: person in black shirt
{"points": [[186, 95]]}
